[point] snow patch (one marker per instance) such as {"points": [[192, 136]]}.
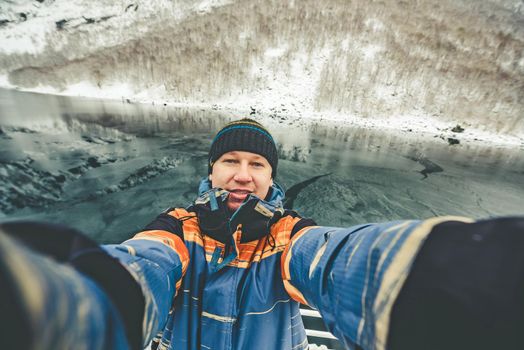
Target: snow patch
{"points": [[374, 24], [344, 45], [275, 51], [370, 51], [113, 91], [15, 42], [4, 82], [48, 24], [207, 6]]}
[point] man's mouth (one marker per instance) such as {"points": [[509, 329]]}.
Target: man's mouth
{"points": [[238, 195]]}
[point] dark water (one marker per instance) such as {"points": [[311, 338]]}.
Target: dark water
{"points": [[108, 168]]}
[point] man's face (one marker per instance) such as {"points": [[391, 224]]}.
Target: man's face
{"points": [[241, 173]]}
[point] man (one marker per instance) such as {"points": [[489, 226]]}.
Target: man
{"points": [[231, 293], [228, 272]]}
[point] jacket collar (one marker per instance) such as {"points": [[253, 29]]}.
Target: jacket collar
{"points": [[276, 195], [256, 215]]}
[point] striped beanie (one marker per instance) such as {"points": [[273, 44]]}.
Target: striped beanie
{"points": [[244, 135]]}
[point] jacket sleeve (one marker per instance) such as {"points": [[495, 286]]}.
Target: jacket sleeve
{"points": [[59, 288], [157, 258], [353, 275]]}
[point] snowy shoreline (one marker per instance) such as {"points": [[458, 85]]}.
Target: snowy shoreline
{"points": [[426, 127]]}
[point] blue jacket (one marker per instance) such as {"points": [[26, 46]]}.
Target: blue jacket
{"points": [[211, 283], [228, 287], [217, 290]]}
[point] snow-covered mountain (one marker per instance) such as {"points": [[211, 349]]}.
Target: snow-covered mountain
{"points": [[421, 64]]}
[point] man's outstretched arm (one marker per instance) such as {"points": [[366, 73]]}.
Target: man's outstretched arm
{"points": [[59, 289], [157, 260], [441, 283]]}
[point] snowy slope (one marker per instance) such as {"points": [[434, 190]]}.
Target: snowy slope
{"points": [[421, 66]]}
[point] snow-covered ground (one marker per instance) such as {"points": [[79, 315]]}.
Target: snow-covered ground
{"points": [[420, 67]]}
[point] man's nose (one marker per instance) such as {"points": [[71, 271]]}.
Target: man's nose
{"points": [[242, 174]]}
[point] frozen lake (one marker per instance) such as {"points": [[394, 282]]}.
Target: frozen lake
{"points": [[109, 167]]}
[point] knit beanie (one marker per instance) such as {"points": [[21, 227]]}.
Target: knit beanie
{"points": [[244, 135]]}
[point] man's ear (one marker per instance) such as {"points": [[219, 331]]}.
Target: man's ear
{"points": [[210, 177], [271, 183]]}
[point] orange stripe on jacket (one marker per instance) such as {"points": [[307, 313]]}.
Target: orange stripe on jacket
{"points": [[248, 252], [285, 261], [169, 239]]}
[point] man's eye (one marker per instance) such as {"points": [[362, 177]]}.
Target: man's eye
{"points": [[229, 161], [258, 165]]}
